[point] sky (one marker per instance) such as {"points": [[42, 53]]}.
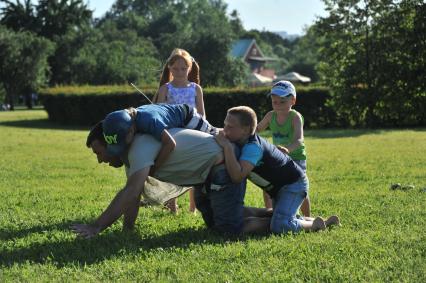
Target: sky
{"points": [[290, 16]]}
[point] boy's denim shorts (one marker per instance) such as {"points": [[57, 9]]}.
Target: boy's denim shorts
{"points": [[286, 204], [221, 202]]}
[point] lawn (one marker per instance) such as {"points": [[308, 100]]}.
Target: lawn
{"points": [[50, 180]]}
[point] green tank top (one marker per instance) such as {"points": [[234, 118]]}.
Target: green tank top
{"points": [[284, 134]]}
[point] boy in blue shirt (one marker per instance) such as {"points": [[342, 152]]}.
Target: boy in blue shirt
{"points": [[269, 168], [120, 127]]}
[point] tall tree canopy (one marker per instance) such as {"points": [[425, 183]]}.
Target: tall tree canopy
{"points": [[49, 18], [200, 26], [373, 53], [132, 40]]}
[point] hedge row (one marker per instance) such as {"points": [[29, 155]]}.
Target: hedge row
{"points": [[87, 105]]}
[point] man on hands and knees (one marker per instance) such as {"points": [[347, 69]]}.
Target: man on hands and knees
{"points": [[196, 158]]}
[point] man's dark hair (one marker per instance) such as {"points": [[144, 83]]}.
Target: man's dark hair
{"points": [[96, 133]]}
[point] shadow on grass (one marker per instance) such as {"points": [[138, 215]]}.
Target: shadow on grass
{"points": [[41, 124], [349, 133], [333, 133], [107, 245], [341, 133]]}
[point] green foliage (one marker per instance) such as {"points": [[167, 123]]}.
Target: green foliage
{"points": [[55, 181], [237, 73], [372, 56], [116, 56], [132, 41], [87, 105], [23, 61], [57, 17], [303, 55], [199, 26], [19, 15], [49, 18]]}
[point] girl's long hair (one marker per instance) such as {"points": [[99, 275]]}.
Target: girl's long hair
{"points": [[166, 76], [194, 74]]}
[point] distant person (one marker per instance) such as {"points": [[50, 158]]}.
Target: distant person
{"points": [[5, 107], [180, 83], [270, 169], [286, 125], [34, 98]]}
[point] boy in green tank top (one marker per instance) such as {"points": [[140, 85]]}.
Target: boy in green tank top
{"points": [[286, 125]]}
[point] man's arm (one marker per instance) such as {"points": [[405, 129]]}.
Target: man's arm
{"points": [[125, 202]]}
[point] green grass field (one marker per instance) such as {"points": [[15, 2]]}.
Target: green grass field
{"points": [[50, 180]]}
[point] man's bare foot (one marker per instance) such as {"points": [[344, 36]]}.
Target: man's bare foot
{"points": [[318, 224], [332, 221]]}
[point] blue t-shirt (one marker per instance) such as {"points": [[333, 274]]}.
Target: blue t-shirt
{"points": [[153, 119], [273, 169], [251, 152]]}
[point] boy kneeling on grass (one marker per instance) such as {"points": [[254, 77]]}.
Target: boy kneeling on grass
{"points": [[269, 168]]}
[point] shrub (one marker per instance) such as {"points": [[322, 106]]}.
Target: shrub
{"points": [[88, 104]]}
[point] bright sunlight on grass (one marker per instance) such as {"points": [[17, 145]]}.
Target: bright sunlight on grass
{"points": [[49, 180]]}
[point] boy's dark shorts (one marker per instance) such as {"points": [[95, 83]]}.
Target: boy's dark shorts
{"points": [[221, 202]]}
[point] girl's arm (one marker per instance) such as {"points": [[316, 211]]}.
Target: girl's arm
{"points": [[264, 124], [162, 94], [199, 101], [168, 144], [298, 133]]}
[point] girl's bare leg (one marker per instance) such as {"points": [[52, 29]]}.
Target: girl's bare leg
{"points": [[191, 201]]}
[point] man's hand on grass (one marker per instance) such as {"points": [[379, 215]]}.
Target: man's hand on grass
{"points": [[85, 230]]}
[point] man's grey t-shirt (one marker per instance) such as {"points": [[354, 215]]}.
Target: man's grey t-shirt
{"points": [[188, 164]]}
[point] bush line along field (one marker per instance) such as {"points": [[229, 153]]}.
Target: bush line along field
{"points": [[49, 180]]}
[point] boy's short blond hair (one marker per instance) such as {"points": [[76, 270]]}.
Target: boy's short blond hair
{"points": [[246, 116]]}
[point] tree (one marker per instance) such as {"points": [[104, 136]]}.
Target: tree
{"points": [[112, 56], [23, 62], [303, 57], [49, 18], [18, 16], [57, 17], [199, 26], [370, 53], [236, 24]]}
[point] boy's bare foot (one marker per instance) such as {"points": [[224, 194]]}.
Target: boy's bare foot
{"points": [[318, 224], [172, 205], [332, 221]]}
